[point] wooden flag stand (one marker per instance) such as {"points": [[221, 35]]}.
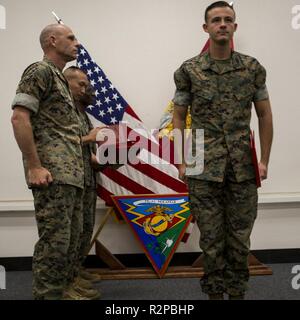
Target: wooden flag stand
{"points": [[116, 270]]}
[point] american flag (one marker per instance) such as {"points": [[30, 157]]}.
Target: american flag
{"points": [[110, 108]]}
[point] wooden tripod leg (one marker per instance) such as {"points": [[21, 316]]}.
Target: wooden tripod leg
{"points": [[101, 226], [199, 262], [107, 257]]}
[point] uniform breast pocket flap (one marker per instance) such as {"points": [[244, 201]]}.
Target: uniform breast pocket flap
{"points": [[203, 97], [201, 103], [245, 94]]}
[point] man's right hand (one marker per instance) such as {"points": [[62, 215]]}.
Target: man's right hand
{"points": [[182, 170], [39, 178], [93, 134]]}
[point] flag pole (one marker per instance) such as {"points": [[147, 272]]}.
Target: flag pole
{"points": [[57, 18]]}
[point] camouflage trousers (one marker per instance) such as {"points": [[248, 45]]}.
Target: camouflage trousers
{"points": [[225, 214], [89, 210], [58, 210]]}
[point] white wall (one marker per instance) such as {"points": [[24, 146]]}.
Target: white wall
{"points": [[139, 44], [277, 227]]}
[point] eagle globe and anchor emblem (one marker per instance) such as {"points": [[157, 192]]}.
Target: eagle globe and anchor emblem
{"points": [[159, 221]]}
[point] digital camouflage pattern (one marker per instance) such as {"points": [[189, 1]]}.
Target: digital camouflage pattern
{"points": [[225, 213], [57, 135], [58, 211], [89, 192], [88, 211], [223, 198], [44, 90], [87, 150], [220, 95]]}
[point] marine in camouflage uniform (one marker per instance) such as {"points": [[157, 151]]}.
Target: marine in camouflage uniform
{"points": [[84, 95], [223, 197], [89, 194], [44, 92]]}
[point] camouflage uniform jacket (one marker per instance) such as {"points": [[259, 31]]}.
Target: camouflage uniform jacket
{"points": [[221, 102], [87, 150], [44, 91]]}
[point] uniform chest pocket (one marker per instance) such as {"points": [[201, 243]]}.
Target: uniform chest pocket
{"points": [[61, 107], [202, 102], [63, 93], [244, 96]]}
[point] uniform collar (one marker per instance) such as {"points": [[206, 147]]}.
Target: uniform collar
{"points": [[208, 63], [52, 65], [56, 70]]}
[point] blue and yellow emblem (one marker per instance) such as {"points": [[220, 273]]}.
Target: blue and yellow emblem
{"points": [[158, 222]]}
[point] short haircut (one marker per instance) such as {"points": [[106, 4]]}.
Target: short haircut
{"points": [[47, 32], [69, 72], [217, 4]]}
